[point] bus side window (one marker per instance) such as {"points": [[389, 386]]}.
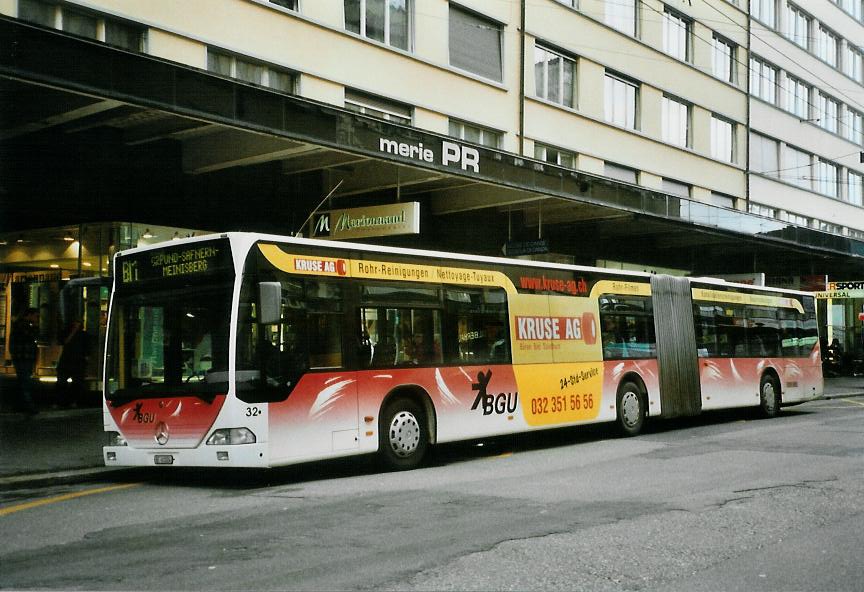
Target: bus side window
{"points": [[791, 325], [627, 327], [400, 336], [706, 331], [476, 326], [764, 332]]}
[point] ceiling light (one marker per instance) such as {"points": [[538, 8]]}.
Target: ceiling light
{"points": [[54, 266], [147, 233], [86, 264]]}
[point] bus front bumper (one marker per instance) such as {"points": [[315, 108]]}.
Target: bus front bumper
{"points": [[246, 455]]}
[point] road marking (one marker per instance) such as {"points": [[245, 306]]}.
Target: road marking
{"points": [[853, 402], [63, 498]]}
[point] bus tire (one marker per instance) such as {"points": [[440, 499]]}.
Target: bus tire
{"points": [[631, 409], [403, 435], [769, 396]]}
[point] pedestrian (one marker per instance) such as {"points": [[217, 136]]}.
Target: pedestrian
{"points": [[24, 349], [72, 365]]}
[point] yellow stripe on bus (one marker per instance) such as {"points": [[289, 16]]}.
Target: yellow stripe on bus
{"points": [[752, 299], [383, 270], [620, 287]]}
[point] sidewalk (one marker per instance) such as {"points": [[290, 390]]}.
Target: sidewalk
{"points": [[66, 444]]}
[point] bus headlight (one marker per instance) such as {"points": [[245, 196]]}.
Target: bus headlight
{"points": [[115, 439], [231, 436]]}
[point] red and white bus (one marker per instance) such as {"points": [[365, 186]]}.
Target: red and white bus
{"points": [[257, 351]]}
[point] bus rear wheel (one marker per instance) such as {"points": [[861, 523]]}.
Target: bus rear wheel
{"points": [[631, 409], [403, 436], [769, 396]]}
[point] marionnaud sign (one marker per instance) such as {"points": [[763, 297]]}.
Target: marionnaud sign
{"points": [[386, 220]]}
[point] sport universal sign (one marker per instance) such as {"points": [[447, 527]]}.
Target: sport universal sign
{"points": [[386, 220]]}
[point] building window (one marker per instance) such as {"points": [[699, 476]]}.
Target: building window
{"points": [[621, 173], [676, 35], [676, 188], [854, 188], [378, 107], [675, 122], [761, 210], [827, 44], [764, 155], [853, 7], [763, 80], [554, 155], [827, 110], [724, 60], [620, 101], [721, 200], [852, 63], [797, 97], [795, 219], [854, 126], [797, 26], [722, 139], [37, 12], [289, 4], [554, 76], [797, 168], [476, 44], [249, 71], [827, 227], [84, 24], [474, 133], [621, 15], [856, 234], [826, 178], [765, 11], [385, 21]]}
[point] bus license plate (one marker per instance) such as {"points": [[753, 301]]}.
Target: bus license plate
{"points": [[164, 459]]}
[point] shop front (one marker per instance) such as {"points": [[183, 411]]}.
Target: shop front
{"points": [[841, 319], [65, 274]]}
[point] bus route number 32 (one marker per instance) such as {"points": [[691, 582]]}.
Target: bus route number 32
{"points": [[253, 411]]}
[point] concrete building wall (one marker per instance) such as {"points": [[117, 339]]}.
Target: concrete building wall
{"points": [[327, 59], [770, 43]]}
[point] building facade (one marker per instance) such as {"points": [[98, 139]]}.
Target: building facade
{"points": [[686, 136]]}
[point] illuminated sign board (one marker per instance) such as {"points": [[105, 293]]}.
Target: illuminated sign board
{"points": [[175, 263], [386, 220]]}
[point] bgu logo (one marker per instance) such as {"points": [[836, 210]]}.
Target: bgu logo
{"points": [[498, 404], [142, 417]]}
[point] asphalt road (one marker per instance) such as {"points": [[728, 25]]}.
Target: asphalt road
{"points": [[722, 502]]}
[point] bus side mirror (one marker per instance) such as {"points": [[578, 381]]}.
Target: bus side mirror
{"points": [[270, 300]]}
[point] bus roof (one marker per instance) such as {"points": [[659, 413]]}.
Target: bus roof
{"points": [[247, 239]]}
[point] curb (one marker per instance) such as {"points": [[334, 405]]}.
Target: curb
{"points": [[843, 395]]}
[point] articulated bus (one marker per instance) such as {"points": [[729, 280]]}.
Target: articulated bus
{"points": [[248, 350]]}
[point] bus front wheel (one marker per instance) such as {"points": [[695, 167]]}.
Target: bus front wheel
{"points": [[403, 434], [769, 396], [631, 409]]}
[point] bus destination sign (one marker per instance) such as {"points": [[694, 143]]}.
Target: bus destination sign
{"points": [[190, 260]]}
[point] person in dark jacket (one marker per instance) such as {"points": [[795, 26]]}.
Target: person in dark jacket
{"points": [[72, 365], [24, 349]]}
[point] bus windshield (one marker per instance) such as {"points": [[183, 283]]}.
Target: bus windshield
{"points": [[169, 343]]}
